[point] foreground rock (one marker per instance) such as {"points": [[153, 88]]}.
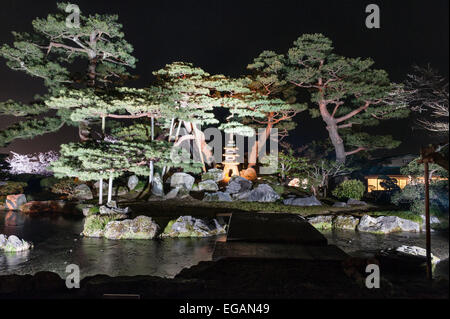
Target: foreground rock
{"points": [[182, 180], [306, 201], [262, 193], [217, 197], [188, 226], [14, 244], [387, 224], [141, 227], [13, 202], [83, 192]]}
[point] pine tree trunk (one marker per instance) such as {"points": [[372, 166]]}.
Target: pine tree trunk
{"points": [[84, 130], [332, 128], [110, 183], [260, 143], [337, 142]]}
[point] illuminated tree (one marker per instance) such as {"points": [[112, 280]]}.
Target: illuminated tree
{"points": [[348, 92], [51, 52]]}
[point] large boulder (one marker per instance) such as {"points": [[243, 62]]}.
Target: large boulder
{"points": [[217, 197], [13, 202], [157, 185], [182, 180], [177, 193], [83, 192], [238, 184], [141, 227], [263, 193], [306, 201], [132, 182], [14, 244], [321, 222], [94, 225], [387, 224], [188, 226], [435, 223], [208, 185], [214, 174], [345, 222]]}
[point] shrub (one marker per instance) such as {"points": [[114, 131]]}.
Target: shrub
{"points": [[65, 186], [11, 188], [351, 188], [413, 196]]}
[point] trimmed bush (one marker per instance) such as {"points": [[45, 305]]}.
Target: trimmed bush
{"points": [[351, 188]]}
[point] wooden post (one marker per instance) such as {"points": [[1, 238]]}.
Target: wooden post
{"points": [[427, 219]]}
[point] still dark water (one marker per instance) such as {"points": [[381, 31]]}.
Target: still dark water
{"points": [[57, 243]]}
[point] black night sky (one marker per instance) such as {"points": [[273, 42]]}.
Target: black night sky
{"points": [[224, 36]]}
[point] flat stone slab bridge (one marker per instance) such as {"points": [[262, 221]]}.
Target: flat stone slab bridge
{"points": [[275, 236]]}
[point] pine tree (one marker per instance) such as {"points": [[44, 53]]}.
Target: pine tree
{"points": [[347, 92], [51, 53]]}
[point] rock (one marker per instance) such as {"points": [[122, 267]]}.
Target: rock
{"points": [[3, 240], [208, 185], [141, 227], [48, 206], [13, 202], [340, 204], [86, 209], [306, 201], [182, 180], [321, 222], [83, 192], [238, 184], [157, 185], [217, 197], [188, 226], [214, 174], [435, 223], [386, 224], [94, 225], [112, 204], [14, 244], [352, 201], [345, 222], [241, 196], [177, 192], [132, 182], [105, 210], [263, 193]]}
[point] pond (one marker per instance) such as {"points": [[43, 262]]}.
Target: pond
{"points": [[57, 243]]}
